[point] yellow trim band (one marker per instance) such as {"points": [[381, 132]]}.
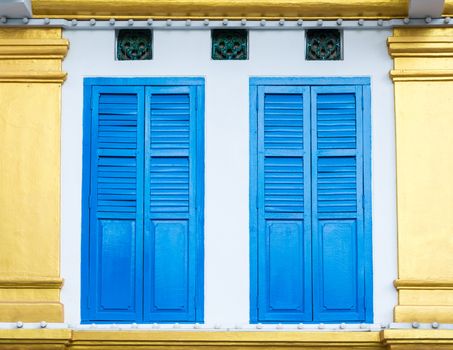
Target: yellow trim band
{"points": [[30, 283], [139, 9]]}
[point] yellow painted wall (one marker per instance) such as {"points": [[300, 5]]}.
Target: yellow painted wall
{"points": [[30, 95], [423, 78]]}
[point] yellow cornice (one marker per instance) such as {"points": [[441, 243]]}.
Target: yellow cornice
{"points": [[139, 9], [421, 46], [29, 283], [426, 284], [33, 48]]}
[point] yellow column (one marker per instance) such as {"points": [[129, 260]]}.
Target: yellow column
{"points": [[423, 79], [30, 94]]}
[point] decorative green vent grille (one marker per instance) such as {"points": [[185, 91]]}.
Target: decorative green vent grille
{"points": [[134, 45], [323, 44], [229, 44]]}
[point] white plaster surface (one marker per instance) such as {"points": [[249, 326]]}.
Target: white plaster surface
{"points": [[272, 53]]}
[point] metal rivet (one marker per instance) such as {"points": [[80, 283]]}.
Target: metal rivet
{"points": [[343, 326], [259, 326], [406, 20], [415, 325], [263, 22], [319, 22], [243, 21], [322, 326], [279, 326], [380, 22], [134, 325], [25, 20], [74, 22], [447, 19], [168, 22], [176, 326], [339, 21], [225, 22], [300, 326], [196, 326], [363, 326], [19, 324], [155, 326], [4, 19], [188, 23], [150, 21], [112, 21], [130, 22], [435, 325], [46, 21], [92, 22], [281, 22], [361, 22], [428, 19], [43, 324], [206, 22], [300, 22], [384, 325]]}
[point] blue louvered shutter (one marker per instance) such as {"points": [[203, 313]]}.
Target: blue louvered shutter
{"points": [[338, 224], [283, 174], [116, 221], [170, 212]]}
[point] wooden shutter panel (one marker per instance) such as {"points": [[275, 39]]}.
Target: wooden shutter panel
{"points": [[283, 169], [116, 198], [170, 212], [338, 224]]}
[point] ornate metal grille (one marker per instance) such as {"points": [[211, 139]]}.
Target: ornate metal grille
{"points": [[323, 44], [134, 45], [229, 44]]}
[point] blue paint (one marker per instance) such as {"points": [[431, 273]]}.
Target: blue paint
{"points": [[310, 203], [142, 241]]}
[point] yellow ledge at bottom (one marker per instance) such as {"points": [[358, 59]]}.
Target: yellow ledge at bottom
{"points": [[88, 339]]}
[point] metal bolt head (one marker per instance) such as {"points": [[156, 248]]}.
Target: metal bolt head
{"points": [[319, 22], [339, 21], [243, 21], [380, 22], [130, 22], [112, 21], [435, 325], [361, 22], [322, 326], [447, 20], [150, 21], [74, 22], [428, 19], [300, 326], [25, 20], [188, 23], [43, 324], [259, 326], [206, 22], [46, 21], [196, 326], [415, 325], [281, 22], [92, 22], [225, 22], [3, 19], [19, 324], [406, 20], [168, 22], [343, 326], [263, 22]]}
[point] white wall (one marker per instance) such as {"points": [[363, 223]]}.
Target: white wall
{"points": [[272, 53]]}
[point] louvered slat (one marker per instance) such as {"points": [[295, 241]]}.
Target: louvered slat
{"points": [[169, 185], [170, 118], [336, 121]]}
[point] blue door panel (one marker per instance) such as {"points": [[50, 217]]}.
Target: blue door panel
{"points": [[143, 201], [283, 233]]}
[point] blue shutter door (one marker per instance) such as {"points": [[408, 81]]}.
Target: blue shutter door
{"points": [[283, 201], [170, 244], [116, 198], [337, 194]]}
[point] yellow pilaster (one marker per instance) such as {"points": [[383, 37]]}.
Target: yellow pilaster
{"points": [[423, 79], [30, 94]]}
